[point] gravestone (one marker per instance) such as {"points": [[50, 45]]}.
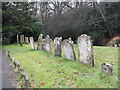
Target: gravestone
{"points": [[85, 50], [21, 40], [17, 39], [32, 43], [47, 47], [39, 42], [68, 49], [107, 68], [57, 46], [43, 44], [26, 40]]}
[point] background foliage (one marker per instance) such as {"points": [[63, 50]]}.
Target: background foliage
{"points": [[19, 18], [66, 19]]}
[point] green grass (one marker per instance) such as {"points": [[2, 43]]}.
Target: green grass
{"points": [[47, 71]]}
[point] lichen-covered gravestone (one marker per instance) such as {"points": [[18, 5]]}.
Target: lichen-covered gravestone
{"points": [[32, 43], [85, 50], [47, 44], [39, 42], [57, 46], [68, 49], [26, 40], [107, 68]]}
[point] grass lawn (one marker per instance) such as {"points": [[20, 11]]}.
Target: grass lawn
{"points": [[47, 71]]}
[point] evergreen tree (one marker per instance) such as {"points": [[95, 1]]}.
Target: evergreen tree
{"points": [[19, 18]]}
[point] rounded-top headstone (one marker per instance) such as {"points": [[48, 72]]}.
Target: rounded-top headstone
{"points": [[85, 50]]}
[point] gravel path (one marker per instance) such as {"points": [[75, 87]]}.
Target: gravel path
{"points": [[8, 76]]}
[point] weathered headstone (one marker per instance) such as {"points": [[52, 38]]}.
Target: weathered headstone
{"points": [[26, 40], [46, 43], [43, 43], [85, 50], [48, 46], [21, 40], [107, 68], [68, 49], [39, 42], [57, 46], [32, 43], [17, 39]]}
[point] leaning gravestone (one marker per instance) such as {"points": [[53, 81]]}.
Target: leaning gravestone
{"points": [[57, 46], [85, 50], [107, 68], [26, 40], [39, 42], [32, 43], [47, 46], [68, 49]]}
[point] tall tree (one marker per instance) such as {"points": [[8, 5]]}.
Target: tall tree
{"points": [[19, 18]]}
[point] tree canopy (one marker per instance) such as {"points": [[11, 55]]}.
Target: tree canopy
{"points": [[19, 18]]}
